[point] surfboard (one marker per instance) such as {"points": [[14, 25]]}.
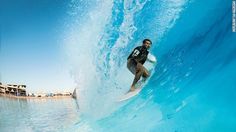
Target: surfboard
{"points": [[131, 94]]}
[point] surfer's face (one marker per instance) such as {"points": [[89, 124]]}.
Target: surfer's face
{"points": [[147, 44]]}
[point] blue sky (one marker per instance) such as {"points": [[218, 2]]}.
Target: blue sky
{"points": [[31, 48]]}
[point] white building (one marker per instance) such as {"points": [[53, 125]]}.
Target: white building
{"points": [[12, 89]]}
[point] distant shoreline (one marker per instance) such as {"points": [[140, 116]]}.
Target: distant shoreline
{"points": [[29, 97]]}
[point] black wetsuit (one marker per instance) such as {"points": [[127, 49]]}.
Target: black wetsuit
{"points": [[139, 55]]}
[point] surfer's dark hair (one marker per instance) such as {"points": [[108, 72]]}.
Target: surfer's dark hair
{"points": [[145, 40]]}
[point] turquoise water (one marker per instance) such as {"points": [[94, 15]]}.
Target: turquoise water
{"points": [[193, 86], [37, 115]]}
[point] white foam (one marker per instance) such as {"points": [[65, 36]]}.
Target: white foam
{"points": [[80, 43]]}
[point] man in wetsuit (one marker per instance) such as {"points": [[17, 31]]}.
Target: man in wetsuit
{"points": [[136, 60]]}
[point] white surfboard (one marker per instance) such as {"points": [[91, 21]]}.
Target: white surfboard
{"points": [[131, 94]]}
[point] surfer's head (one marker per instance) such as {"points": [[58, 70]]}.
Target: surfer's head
{"points": [[147, 43]]}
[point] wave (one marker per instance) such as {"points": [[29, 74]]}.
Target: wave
{"points": [[193, 81]]}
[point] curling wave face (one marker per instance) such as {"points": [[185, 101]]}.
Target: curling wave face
{"points": [[194, 80]]}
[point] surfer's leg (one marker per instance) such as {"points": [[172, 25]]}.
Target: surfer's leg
{"points": [[138, 74], [136, 78], [145, 72], [131, 66]]}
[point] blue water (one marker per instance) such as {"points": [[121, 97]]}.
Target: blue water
{"points": [[37, 115], [193, 85]]}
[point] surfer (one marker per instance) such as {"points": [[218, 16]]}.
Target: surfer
{"points": [[136, 60]]}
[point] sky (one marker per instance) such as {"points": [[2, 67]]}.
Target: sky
{"points": [[31, 47]]}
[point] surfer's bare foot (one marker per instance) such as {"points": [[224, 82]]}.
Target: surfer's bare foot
{"points": [[132, 88]]}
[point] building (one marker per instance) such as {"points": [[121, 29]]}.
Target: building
{"points": [[2, 88], [41, 95], [66, 94], [20, 90], [12, 89], [63, 94]]}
